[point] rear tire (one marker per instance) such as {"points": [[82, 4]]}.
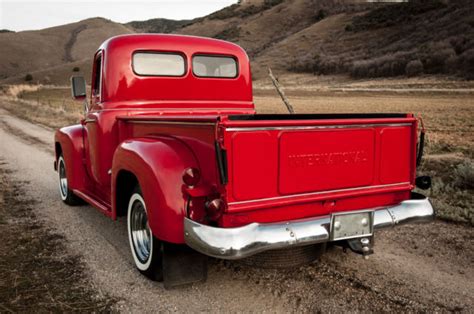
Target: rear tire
{"points": [[147, 251], [67, 196]]}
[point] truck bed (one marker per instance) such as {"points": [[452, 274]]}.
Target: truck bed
{"points": [[299, 165]]}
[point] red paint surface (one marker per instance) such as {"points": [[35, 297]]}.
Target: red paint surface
{"points": [[326, 159], [156, 127], [254, 165], [394, 157]]}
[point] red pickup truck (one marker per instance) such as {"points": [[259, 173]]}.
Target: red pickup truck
{"points": [[171, 141]]}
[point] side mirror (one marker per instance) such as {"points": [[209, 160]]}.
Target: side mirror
{"points": [[78, 88]]}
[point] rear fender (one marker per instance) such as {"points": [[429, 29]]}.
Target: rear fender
{"points": [[158, 164], [69, 142]]}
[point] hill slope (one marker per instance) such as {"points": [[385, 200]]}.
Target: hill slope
{"points": [[434, 37], [313, 36], [30, 51], [344, 37]]}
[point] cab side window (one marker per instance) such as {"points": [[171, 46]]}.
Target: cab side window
{"points": [[96, 87]]}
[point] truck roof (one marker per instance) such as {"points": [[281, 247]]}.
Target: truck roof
{"points": [[195, 43], [120, 82]]}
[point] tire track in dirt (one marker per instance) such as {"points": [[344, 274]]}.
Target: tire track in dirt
{"points": [[29, 139], [37, 271]]}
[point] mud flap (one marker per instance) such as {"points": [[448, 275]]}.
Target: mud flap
{"points": [[182, 265]]}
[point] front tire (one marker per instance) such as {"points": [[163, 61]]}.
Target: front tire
{"points": [[67, 196], [146, 249]]}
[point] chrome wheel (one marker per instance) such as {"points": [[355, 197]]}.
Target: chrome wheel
{"points": [[140, 231], [140, 236], [63, 186]]}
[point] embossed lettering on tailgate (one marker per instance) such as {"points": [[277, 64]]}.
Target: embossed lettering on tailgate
{"points": [[326, 160]]}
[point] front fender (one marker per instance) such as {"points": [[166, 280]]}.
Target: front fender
{"points": [[69, 142], [158, 164]]}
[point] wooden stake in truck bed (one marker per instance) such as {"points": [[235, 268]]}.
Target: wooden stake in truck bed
{"points": [[171, 140]]}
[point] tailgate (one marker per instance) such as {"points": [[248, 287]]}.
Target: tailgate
{"points": [[286, 156]]}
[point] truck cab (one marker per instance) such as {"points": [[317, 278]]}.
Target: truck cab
{"points": [[171, 140]]}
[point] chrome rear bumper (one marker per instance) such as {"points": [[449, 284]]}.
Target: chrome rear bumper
{"points": [[241, 242]]}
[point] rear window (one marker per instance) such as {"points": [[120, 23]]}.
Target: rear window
{"points": [[158, 64], [214, 66]]}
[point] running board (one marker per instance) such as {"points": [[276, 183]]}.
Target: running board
{"points": [[104, 208]]}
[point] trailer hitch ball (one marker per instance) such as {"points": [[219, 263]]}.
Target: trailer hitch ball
{"points": [[365, 243], [423, 182], [361, 246]]}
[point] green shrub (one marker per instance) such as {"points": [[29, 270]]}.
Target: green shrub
{"points": [[459, 43], [271, 3], [229, 33], [436, 55], [452, 64], [320, 15], [251, 10], [395, 14], [467, 63], [414, 68], [384, 66], [451, 202], [464, 175], [225, 13]]}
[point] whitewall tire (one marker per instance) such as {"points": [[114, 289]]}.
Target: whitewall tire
{"points": [[145, 248], [67, 196]]}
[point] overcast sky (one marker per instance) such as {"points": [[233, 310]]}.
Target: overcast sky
{"points": [[19, 15]]}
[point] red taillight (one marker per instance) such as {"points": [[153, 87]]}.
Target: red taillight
{"points": [[191, 177], [215, 208]]}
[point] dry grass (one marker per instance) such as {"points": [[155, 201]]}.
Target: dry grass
{"points": [[17, 90], [47, 105], [453, 134]]}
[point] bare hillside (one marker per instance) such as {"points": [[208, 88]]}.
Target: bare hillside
{"points": [[342, 37], [255, 26], [304, 36], [268, 26], [420, 37], [33, 51]]}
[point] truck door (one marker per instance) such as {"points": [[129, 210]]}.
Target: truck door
{"points": [[95, 162]]}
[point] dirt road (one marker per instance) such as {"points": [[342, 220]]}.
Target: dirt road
{"points": [[416, 268]]}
